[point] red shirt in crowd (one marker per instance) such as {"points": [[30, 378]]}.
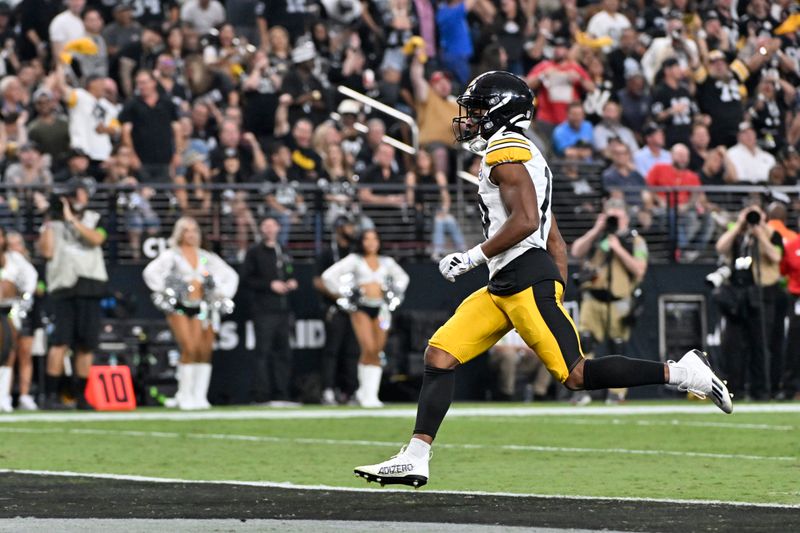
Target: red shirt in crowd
{"points": [[557, 90], [790, 265], [666, 175]]}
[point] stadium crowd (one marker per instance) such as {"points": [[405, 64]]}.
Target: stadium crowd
{"points": [[165, 98]]}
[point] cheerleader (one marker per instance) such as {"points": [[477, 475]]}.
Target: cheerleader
{"points": [[17, 284], [370, 286], [193, 287]]}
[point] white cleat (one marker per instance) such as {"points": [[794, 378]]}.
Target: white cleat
{"points": [[27, 403], [402, 469], [701, 380]]}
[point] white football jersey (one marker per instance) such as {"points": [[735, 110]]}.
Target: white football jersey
{"points": [[512, 147]]}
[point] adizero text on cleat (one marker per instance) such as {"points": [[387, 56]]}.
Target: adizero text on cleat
{"points": [[402, 469]]}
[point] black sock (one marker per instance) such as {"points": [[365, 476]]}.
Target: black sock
{"points": [[52, 384], [618, 371], [434, 399], [80, 387]]}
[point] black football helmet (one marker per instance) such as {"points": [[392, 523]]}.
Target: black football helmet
{"points": [[492, 101]]}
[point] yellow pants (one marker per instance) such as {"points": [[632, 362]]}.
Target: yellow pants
{"points": [[536, 313]]}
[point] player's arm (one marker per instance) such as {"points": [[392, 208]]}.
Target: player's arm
{"points": [[557, 248], [519, 198]]}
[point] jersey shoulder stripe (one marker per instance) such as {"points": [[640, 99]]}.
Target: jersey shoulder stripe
{"points": [[509, 147]]}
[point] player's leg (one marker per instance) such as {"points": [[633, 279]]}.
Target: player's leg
{"points": [[544, 323], [476, 325]]}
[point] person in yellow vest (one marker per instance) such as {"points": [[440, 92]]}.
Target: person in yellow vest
{"points": [[615, 263]]}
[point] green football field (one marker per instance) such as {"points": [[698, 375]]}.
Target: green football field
{"points": [[658, 450]]}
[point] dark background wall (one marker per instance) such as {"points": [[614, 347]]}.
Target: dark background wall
{"points": [[429, 302]]}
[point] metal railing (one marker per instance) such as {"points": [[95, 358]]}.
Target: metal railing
{"points": [[375, 105], [138, 220]]}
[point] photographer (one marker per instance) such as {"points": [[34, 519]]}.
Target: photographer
{"points": [[617, 262], [71, 241], [747, 299]]}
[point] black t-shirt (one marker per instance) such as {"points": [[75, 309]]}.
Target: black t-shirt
{"points": [[296, 85], [677, 127], [244, 152], [291, 14], [152, 129], [262, 265], [722, 100], [768, 121], [330, 255], [259, 109], [391, 184], [617, 60], [147, 11], [306, 163]]}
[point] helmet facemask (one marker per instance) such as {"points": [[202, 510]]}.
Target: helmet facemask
{"points": [[473, 124]]}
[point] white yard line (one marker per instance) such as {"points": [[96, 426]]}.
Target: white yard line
{"points": [[349, 442], [407, 412], [671, 423], [284, 485]]}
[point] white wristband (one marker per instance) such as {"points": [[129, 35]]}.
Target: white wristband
{"points": [[476, 255]]}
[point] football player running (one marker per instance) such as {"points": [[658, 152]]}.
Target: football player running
{"points": [[527, 262]]}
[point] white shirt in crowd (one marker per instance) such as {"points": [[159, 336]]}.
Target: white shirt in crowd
{"points": [[86, 113], [203, 19], [65, 27], [751, 166], [604, 24]]}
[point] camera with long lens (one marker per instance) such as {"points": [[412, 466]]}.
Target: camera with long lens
{"points": [[612, 224], [719, 276], [56, 208], [753, 218], [586, 274]]}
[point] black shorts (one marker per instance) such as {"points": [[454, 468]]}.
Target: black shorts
{"points": [[371, 312], [76, 322]]}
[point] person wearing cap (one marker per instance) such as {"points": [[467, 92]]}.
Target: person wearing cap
{"points": [[77, 166], [352, 140], [751, 162], [92, 119], [49, 130], [309, 97], [71, 241], [634, 98], [614, 264], [676, 44], [435, 108], [653, 151], [204, 15], [557, 83], [673, 105], [123, 31], [339, 361]]}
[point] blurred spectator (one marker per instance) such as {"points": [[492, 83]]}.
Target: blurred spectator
{"points": [[435, 110], [288, 14], [148, 11], [260, 96], [139, 55], [194, 196], [426, 191], [77, 167], [93, 120], [622, 173], [575, 128], [790, 159], [674, 46], [719, 95], [66, 26], [283, 198], [207, 85], [511, 359], [352, 139], [94, 64], [653, 151], [29, 170], [267, 277], [244, 146], [166, 74], [775, 97], [634, 100], [653, 20], [280, 50], [233, 202], [557, 83], [241, 17], [49, 130], [625, 58], [306, 163], [204, 15], [150, 126], [595, 100], [611, 128], [306, 89], [695, 224], [140, 217], [373, 138], [34, 18], [699, 143], [455, 43], [339, 190], [123, 31], [388, 181], [673, 105], [608, 22], [751, 162]]}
